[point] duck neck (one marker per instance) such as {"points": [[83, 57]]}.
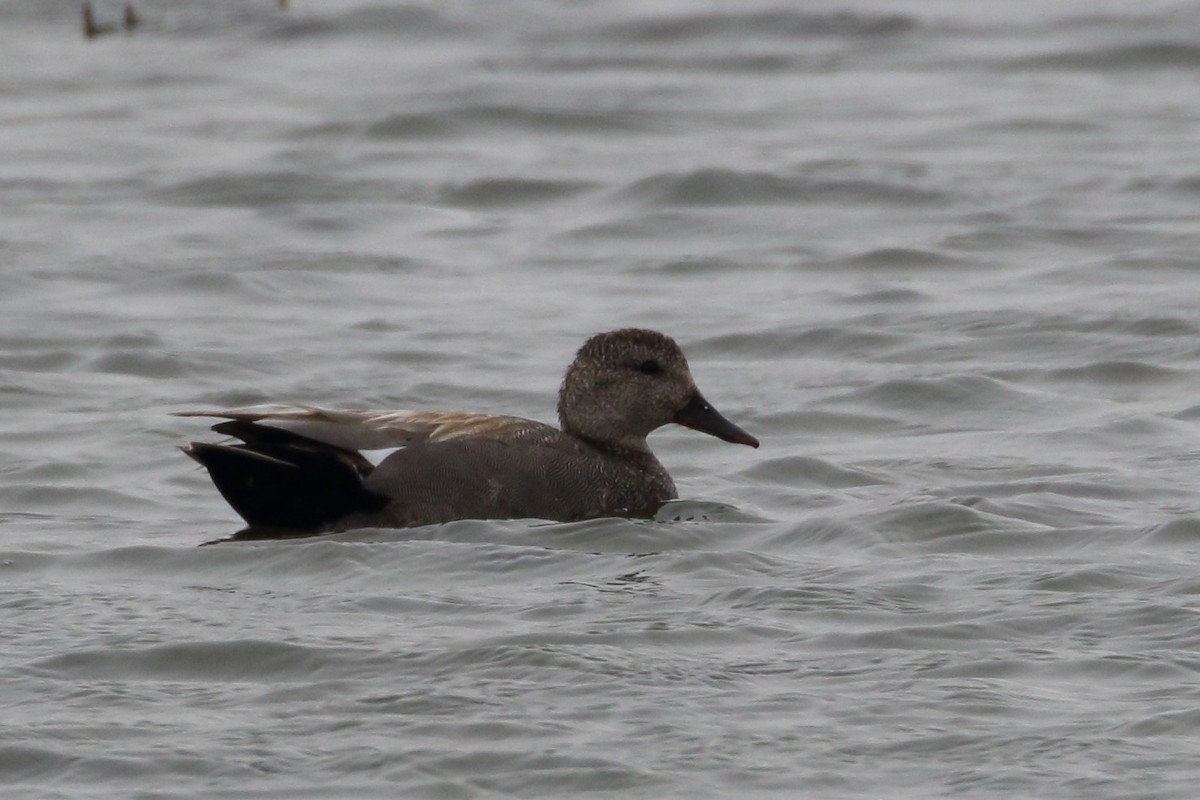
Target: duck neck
{"points": [[625, 447]]}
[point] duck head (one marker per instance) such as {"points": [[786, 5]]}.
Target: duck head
{"points": [[624, 384]]}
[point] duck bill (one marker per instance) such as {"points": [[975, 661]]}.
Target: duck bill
{"points": [[699, 415]]}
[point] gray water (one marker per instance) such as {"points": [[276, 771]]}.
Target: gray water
{"points": [[941, 257]]}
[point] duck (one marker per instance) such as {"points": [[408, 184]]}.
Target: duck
{"points": [[301, 470]]}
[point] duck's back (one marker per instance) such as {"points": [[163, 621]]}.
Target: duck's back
{"points": [[549, 476]]}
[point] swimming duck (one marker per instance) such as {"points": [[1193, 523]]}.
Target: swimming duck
{"points": [[300, 470]]}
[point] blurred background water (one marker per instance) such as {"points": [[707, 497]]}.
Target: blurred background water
{"points": [[941, 257]]}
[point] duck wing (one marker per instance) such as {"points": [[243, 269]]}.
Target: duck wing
{"points": [[382, 429]]}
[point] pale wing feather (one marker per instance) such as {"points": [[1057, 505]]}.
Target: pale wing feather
{"points": [[380, 429]]}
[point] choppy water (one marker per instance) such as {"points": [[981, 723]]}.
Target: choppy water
{"points": [[941, 257]]}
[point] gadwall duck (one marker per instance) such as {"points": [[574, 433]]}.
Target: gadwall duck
{"points": [[299, 470]]}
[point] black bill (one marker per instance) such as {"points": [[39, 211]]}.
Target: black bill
{"points": [[698, 414]]}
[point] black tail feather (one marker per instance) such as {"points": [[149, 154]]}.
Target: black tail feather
{"points": [[279, 480]]}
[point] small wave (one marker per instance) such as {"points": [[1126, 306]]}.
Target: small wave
{"points": [[505, 192], [1045, 332], [1149, 55], [526, 118], [1176, 723], [1159, 326], [1154, 184], [707, 265], [251, 660], [49, 359], [532, 772], [1116, 372], [899, 258], [407, 20], [442, 124], [193, 281], [808, 471], [657, 61], [1038, 125], [801, 536], [408, 126], [141, 364], [1183, 532], [704, 511], [937, 395], [712, 186], [1001, 234], [626, 536], [19, 763], [887, 296], [256, 189], [1189, 184], [786, 599], [811, 421], [1091, 579], [266, 21], [679, 525], [831, 340], [62, 496], [1174, 262], [788, 24], [954, 527], [1188, 414], [1066, 508]]}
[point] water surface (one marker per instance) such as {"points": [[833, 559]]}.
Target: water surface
{"points": [[941, 258]]}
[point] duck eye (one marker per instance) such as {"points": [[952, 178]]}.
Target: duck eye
{"points": [[649, 367]]}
